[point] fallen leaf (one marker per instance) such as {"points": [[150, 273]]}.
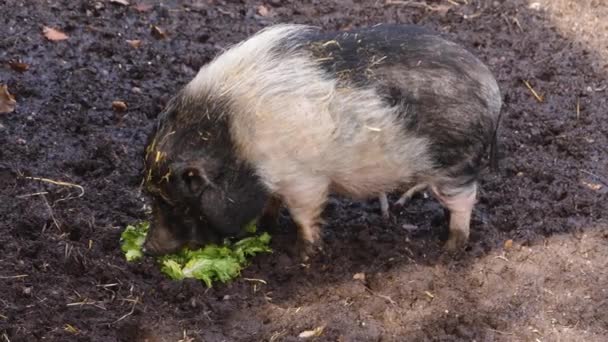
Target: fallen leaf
{"points": [[120, 2], [592, 186], [53, 34], [311, 333], [263, 11], [143, 7], [119, 106], [134, 43], [158, 32], [18, 66], [7, 101], [70, 328], [508, 244]]}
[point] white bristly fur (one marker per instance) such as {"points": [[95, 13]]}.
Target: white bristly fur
{"points": [[300, 129]]}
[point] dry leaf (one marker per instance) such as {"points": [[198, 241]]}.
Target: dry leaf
{"points": [[134, 43], [592, 186], [53, 34], [119, 106], [143, 7], [158, 32], [120, 2], [18, 66], [311, 333], [508, 244], [7, 101], [263, 11]]}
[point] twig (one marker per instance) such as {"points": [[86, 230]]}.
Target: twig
{"points": [[256, 280], [578, 108], [538, 97], [129, 313], [47, 180], [387, 298], [501, 258], [48, 206], [500, 332], [408, 3], [14, 277], [599, 178], [32, 194]]}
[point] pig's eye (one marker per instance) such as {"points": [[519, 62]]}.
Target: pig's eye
{"points": [[194, 181]]}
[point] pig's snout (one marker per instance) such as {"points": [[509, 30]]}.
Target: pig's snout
{"points": [[153, 248], [160, 242]]}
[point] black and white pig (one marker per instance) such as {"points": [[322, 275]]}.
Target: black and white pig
{"points": [[294, 113]]}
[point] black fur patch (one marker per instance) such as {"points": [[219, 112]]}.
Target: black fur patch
{"points": [[195, 133], [404, 63]]}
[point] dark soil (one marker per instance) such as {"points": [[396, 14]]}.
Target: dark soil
{"points": [[64, 278]]}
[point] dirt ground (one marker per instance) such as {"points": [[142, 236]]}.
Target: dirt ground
{"points": [[64, 278]]}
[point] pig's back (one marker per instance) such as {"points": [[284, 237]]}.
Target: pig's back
{"points": [[364, 110]]}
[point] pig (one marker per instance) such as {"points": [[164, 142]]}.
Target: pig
{"points": [[295, 113]]}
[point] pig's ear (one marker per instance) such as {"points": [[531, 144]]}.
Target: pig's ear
{"points": [[192, 179]]}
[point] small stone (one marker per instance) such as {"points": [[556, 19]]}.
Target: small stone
{"points": [[136, 90], [359, 276], [21, 141], [119, 106]]}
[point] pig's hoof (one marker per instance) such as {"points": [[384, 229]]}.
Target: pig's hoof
{"points": [[308, 249], [456, 243], [401, 202], [386, 217]]}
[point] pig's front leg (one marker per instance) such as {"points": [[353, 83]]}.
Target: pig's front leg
{"points": [[305, 199], [384, 207], [410, 193], [460, 202], [270, 215]]}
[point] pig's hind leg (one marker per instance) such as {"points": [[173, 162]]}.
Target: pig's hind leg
{"points": [[459, 200], [410, 193], [384, 206], [305, 199]]}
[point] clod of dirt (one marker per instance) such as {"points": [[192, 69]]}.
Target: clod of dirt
{"points": [[7, 101], [18, 66], [136, 43], [53, 34], [119, 106], [158, 32]]}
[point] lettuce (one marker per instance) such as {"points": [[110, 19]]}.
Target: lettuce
{"points": [[209, 264]]}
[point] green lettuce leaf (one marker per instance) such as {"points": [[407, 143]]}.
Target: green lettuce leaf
{"points": [[132, 240], [208, 264]]}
